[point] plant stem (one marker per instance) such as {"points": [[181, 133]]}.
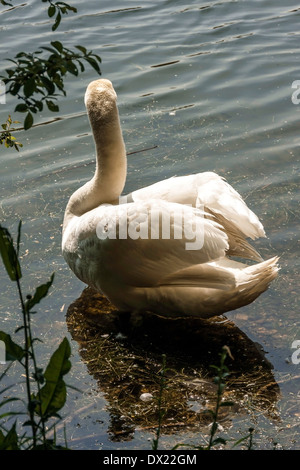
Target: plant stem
{"points": [[160, 412], [41, 422], [222, 372], [26, 353]]}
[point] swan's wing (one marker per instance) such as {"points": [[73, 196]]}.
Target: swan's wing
{"points": [[221, 199], [211, 191], [140, 244], [179, 189]]}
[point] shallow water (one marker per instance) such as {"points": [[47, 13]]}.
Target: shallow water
{"points": [[203, 86]]}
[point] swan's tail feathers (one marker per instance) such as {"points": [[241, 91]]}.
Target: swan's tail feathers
{"points": [[254, 280], [213, 288], [267, 269], [201, 276], [251, 282]]}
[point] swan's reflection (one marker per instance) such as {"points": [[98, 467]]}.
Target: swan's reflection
{"points": [[124, 355]]}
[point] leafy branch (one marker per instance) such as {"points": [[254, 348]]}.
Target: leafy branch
{"points": [[56, 9], [34, 75], [6, 137]]}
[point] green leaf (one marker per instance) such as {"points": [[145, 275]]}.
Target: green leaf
{"points": [[21, 108], [82, 49], [19, 236], [49, 49], [8, 400], [28, 121], [33, 109], [58, 45], [48, 84], [39, 294], [14, 88], [71, 67], [9, 255], [219, 440], [51, 11], [29, 87], [94, 64], [52, 106], [14, 352], [59, 363], [9, 73], [53, 394], [39, 105], [57, 21], [10, 440], [81, 65]]}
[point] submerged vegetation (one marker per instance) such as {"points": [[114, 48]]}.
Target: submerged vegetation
{"points": [[156, 374]]}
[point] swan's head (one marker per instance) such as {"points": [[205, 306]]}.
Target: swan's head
{"points": [[100, 96]]}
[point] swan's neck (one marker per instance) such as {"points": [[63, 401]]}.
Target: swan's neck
{"points": [[111, 166]]}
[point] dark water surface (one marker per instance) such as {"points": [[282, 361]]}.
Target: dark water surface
{"points": [[204, 86]]}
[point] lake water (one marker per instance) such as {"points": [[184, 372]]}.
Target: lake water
{"points": [[202, 86]]}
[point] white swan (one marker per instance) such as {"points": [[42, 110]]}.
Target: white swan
{"points": [[154, 249]]}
